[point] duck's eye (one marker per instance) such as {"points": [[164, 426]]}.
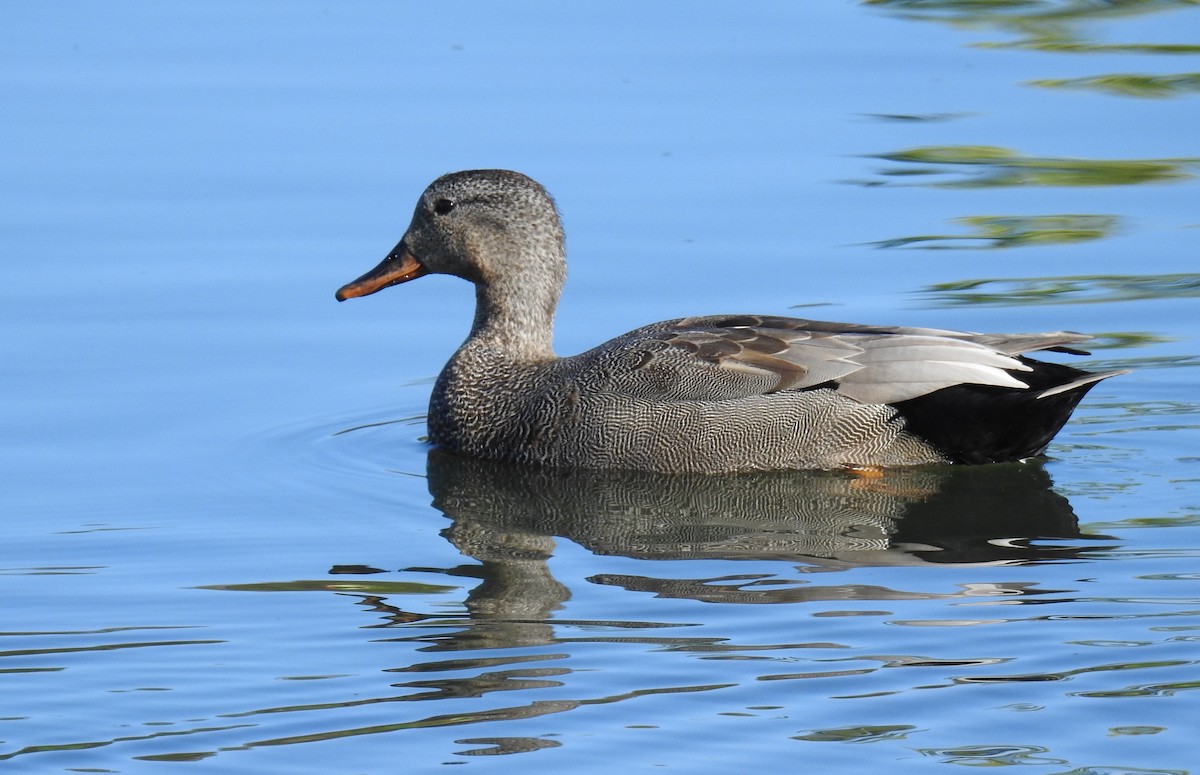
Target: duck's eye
{"points": [[443, 206]]}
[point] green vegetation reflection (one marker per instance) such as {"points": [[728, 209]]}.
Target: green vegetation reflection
{"points": [[1081, 289], [1128, 84], [1042, 25], [1009, 231], [989, 166], [864, 734]]}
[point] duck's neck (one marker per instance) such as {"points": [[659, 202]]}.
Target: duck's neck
{"points": [[515, 320]]}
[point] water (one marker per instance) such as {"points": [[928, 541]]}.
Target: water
{"points": [[224, 543]]}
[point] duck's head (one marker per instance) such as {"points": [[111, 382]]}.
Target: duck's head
{"points": [[486, 226]]}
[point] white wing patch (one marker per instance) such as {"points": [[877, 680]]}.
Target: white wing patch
{"points": [[897, 368]]}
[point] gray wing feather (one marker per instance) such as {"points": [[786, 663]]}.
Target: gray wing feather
{"points": [[723, 358]]}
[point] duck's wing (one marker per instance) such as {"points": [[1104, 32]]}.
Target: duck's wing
{"points": [[726, 357]]}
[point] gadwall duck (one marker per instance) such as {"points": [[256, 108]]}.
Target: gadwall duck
{"points": [[720, 393]]}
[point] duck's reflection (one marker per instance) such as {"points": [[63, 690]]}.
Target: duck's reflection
{"points": [[506, 517]]}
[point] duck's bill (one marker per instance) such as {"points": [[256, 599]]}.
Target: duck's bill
{"points": [[400, 266]]}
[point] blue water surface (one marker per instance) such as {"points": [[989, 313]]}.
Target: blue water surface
{"points": [[226, 548]]}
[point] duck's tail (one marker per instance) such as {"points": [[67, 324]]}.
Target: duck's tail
{"points": [[987, 424]]}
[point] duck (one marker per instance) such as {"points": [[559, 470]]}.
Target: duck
{"points": [[707, 394]]}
